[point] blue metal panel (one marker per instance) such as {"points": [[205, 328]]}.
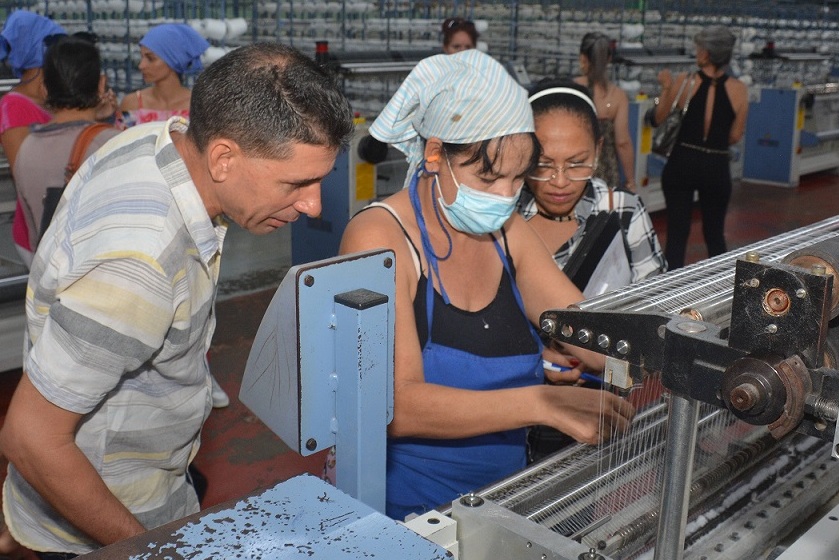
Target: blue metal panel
{"points": [[771, 138], [303, 517], [319, 375], [314, 239]]}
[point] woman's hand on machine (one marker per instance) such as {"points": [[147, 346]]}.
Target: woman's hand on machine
{"points": [[560, 367], [587, 415]]}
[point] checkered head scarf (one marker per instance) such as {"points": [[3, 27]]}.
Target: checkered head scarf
{"points": [[460, 98]]}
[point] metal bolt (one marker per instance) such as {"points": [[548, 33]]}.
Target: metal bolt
{"points": [[584, 336], [388, 262], [623, 347], [529, 545], [753, 283], [548, 326], [309, 280], [603, 341], [776, 301], [472, 500], [801, 293], [818, 269], [691, 327], [744, 397], [752, 256], [567, 331], [311, 444], [771, 328]]}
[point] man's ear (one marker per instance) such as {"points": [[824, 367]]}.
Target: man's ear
{"points": [[433, 154], [223, 155]]}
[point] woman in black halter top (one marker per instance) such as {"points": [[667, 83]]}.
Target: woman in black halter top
{"points": [[715, 119]]}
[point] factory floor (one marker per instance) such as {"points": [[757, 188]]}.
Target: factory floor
{"points": [[239, 454]]}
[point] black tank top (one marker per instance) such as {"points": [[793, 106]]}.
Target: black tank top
{"points": [[722, 116], [499, 329]]}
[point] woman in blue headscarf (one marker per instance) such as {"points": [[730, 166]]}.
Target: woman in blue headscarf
{"points": [[168, 52], [22, 47], [472, 279]]}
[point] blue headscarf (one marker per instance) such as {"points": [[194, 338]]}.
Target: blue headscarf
{"points": [[459, 98], [179, 45], [22, 40]]}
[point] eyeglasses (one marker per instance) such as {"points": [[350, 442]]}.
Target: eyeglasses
{"points": [[545, 172]]}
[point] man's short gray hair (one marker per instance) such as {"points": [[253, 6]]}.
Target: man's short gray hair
{"points": [[719, 42]]}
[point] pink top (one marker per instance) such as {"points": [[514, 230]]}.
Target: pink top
{"points": [[141, 115], [18, 110]]}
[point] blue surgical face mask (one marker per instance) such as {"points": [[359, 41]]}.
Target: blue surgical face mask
{"points": [[474, 211]]}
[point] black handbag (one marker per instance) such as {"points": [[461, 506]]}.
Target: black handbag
{"points": [[665, 134]]}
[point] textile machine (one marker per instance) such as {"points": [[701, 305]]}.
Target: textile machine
{"points": [[731, 364]]}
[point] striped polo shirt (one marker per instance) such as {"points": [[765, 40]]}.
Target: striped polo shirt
{"points": [[119, 320]]}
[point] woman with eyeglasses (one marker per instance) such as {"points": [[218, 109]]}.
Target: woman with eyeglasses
{"points": [[459, 35], [468, 372], [563, 193], [168, 52], [562, 196], [22, 46]]}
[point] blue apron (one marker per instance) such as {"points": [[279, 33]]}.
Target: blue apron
{"points": [[425, 473]]}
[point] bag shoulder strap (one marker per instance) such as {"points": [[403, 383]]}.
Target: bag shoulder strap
{"points": [[678, 95], [80, 147], [689, 92]]}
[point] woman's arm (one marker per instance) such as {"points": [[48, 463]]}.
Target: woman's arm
{"points": [[623, 141], [11, 140], [738, 93], [436, 411], [129, 102], [669, 89]]}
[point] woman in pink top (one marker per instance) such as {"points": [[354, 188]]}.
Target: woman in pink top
{"points": [[168, 52], [22, 45]]}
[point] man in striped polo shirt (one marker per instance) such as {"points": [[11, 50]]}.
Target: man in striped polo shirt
{"points": [[108, 413]]}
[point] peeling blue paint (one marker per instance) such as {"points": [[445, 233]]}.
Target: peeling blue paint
{"points": [[303, 517]]}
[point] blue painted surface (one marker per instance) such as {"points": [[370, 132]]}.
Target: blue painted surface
{"points": [[770, 140], [318, 379], [303, 517], [317, 239]]}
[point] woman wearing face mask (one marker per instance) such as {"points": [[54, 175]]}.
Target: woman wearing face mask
{"points": [[469, 288]]}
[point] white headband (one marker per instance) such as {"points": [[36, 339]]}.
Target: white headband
{"points": [[568, 90]]}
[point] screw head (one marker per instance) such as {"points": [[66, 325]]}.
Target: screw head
{"points": [[472, 500], [388, 262], [548, 326], [584, 336], [623, 347], [603, 341], [800, 293], [311, 444], [309, 280]]}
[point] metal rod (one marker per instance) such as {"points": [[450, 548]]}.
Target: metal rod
{"points": [[678, 467]]}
